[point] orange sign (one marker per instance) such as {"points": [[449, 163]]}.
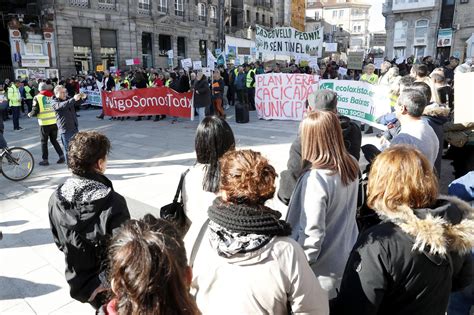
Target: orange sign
{"points": [[99, 68]]}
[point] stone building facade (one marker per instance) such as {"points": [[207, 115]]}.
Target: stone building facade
{"points": [[464, 29]]}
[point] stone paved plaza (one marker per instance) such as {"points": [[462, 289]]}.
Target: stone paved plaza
{"points": [[146, 160]]}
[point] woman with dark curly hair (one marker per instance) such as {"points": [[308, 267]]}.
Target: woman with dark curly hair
{"points": [[246, 263], [149, 273], [83, 213]]}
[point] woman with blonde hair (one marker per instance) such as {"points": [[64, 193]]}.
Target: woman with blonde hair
{"points": [[246, 263], [322, 209], [369, 76], [411, 261]]}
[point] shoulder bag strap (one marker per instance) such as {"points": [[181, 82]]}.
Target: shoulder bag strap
{"points": [[180, 186], [198, 242]]}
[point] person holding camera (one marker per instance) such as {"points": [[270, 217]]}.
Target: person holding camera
{"points": [[66, 118]]}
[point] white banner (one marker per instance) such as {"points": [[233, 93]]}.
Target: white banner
{"points": [[289, 41], [360, 100], [283, 96]]}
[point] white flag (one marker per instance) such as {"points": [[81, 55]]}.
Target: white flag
{"points": [[210, 60]]}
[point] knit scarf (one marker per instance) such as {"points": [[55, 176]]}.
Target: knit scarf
{"points": [[242, 228]]}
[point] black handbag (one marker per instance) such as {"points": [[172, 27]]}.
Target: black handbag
{"points": [[174, 212]]}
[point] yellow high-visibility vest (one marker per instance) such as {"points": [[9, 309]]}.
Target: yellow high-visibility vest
{"points": [[28, 92], [47, 115], [249, 78]]}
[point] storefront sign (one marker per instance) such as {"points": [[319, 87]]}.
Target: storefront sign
{"points": [[35, 63], [289, 41], [149, 101], [445, 36]]}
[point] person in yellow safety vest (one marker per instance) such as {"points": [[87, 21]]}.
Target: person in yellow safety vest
{"points": [[14, 99], [369, 76], [250, 85], [47, 120], [29, 94]]}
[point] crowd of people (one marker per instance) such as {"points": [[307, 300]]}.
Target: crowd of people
{"points": [[237, 255]]}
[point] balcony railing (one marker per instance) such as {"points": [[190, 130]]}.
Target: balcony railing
{"points": [[202, 18], [263, 4], [79, 3], [179, 12], [213, 20], [143, 11], [107, 5], [162, 9]]}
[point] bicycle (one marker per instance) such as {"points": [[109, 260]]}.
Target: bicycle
{"points": [[16, 163]]}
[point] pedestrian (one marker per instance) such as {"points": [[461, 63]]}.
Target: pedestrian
{"points": [[149, 271], [3, 108], [14, 100], [240, 86], [214, 137], [202, 95], [246, 249], [250, 85], [321, 100], [66, 118], [46, 115], [29, 94], [183, 85], [411, 261], [84, 213], [218, 93], [325, 199]]}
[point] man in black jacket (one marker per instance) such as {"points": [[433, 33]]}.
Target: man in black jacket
{"points": [[320, 100], [84, 212], [66, 114]]}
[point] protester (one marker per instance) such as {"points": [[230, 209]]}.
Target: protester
{"points": [[250, 85], [3, 108], [214, 137], [421, 74], [84, 211], [325, 199], [218, 93], [384, 77], [202, 95], [29, 94], [66, 118], [369, 76], [148, 271], [240, 87], [414, 131], [14, 98], [419, 253], [449, 69], [42, 109], [321, 100], [247, 250], [443, 94]]}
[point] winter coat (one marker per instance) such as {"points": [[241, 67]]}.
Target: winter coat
{"points": [[203, 97], [183, 85], [409, 263], [459, 134], [240, 81], [218, 89], [66, 117], [436, 117], [322, 213], [268, 280], [109, 85], [352, 141], [463, 187], [84, 212]]}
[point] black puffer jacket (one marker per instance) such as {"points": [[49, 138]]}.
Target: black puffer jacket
{"points": [[202, 93], [84, 212], [410, 263], [288, 178]]}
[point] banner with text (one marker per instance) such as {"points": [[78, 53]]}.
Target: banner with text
{"points": [[360, 100], [283, 96], [289, 41], [148, 101]]}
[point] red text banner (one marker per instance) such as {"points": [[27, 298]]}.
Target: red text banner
{"points": [[149, 101], [283, 96]]}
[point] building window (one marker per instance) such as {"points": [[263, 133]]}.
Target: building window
{"points": [[247, 16], [421, 28], [334, 14], [400, 33], [181, 48], [82, 43], [257, 18], [213, 14], [179, 7], [147, 50], [203, 52], [33, 49], [163, 6], [106, 4], [202, 12], [341, 13], [144, 4], [399, 52], [79, 3], [271, 21], [419, 52], [263, 19], [108, 48], [164, 44]]}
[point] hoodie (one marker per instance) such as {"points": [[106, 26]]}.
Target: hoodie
{"points": [[288, 178], [409, 263], [84, 212]]}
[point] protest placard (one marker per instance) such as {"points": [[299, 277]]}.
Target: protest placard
{"points": [[330, 47], [197, 65], [313, 63], [342, 71], [93, 97], [186, 63], [211, 60], [355, 60], [360, 100], [289, 41], [148, 101], [378, 62], [207, 71], [464, 98], [283, 96]]}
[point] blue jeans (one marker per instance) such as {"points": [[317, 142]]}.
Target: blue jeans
{"points": [[16, 116], [65, 139], [201, 112], [3, 142]]}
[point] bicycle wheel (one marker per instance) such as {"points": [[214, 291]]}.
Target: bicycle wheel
{"points": [[17, 163]]}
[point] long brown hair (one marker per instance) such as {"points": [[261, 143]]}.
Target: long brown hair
{"points": [[401, 176], [323, 145], [148, 269]]}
